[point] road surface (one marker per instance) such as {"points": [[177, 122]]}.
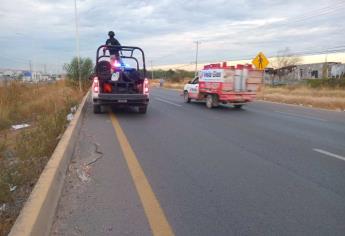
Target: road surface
{"points": [[266, 169]]}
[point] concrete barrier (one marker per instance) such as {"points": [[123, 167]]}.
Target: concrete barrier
{"points": [[37, 215]]}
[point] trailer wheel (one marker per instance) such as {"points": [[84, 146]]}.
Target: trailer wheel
{"points": [[186, 97], [238, 106], [96, 109], [209, 101]]}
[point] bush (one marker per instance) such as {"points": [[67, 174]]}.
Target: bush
{"points": [[331, 83], [86, 69], [175, 76]]}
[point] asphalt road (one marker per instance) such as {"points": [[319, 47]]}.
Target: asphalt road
{"points": [[266, 169]]}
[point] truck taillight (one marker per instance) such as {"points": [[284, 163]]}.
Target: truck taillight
{"points": [[95, 85], [146, 86]]}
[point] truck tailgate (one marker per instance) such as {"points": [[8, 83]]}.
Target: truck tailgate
{"points": [[111, 97]]}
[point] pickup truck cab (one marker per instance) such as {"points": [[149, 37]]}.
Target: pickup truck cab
{"points": [[120, 81], [191, 90]]}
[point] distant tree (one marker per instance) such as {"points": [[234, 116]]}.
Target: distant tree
{"points": [[19, 77], [170, 73], [173, 75], [86, 69], [286, 58], [284, 63]]}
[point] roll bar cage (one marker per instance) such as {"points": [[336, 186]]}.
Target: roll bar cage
{"points": [[130, 49]]}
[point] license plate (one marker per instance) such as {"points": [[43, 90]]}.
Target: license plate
{"points": [[122, 100]]}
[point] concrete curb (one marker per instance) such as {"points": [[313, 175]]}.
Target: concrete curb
{"points": [[37, 215]]}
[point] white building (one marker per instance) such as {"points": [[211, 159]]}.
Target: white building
{"points": [[337, 71]]}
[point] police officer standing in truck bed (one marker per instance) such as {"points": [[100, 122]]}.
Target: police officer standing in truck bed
{"points": [[112, 41]]}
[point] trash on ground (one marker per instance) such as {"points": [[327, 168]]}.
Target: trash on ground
{"points": [[70, 117], [2, 207], [74, 109], [12, 188], [84, 174], [20, 126]]}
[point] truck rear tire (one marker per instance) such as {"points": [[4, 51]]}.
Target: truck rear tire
{"points": [[212, 101], [186, 97], [238, 106], [142, 109], [215, 101], [209, 101], [96, 109]]}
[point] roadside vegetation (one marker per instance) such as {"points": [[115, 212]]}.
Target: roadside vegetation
{"points": [[173, 79], [322, 93], [172, 76], [72, 72], [25, 152]]}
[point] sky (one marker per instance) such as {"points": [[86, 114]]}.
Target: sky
{"points": [[42, 32]]}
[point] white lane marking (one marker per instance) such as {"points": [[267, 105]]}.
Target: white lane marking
{"points": [[329, 154], [300, 116], [166, 101]]}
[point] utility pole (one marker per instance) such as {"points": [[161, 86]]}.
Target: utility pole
{"points": [[151, 69], [196, 57], [30, 68], [326, 65], [77, 40]]}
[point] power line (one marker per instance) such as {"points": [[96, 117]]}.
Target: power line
{"points": [[295, 19], [297, 53]]}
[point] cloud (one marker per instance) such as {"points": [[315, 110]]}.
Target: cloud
{"points": [[44, 30]]}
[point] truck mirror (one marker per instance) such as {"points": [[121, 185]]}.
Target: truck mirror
{"points": [[189, 82]]}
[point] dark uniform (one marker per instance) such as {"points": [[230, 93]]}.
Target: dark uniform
{"points": [[113, 42]]}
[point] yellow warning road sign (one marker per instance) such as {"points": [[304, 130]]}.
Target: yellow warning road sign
{"points": [[260, 61]]}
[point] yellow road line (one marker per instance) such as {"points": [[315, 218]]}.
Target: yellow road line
{"points": [[154, 213]]}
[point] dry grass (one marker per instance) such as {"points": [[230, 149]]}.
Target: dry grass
{"points": [[169, 84], [24, 153], [327, 98]]}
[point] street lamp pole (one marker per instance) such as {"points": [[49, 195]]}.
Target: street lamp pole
{"points": [[196, 57], [77, 40]]}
